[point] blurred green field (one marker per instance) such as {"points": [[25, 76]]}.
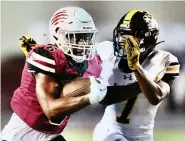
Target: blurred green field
{"points": [[169, 135], [159, 135]]}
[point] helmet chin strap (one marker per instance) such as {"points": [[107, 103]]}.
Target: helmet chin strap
{"points": [[159, 42]]}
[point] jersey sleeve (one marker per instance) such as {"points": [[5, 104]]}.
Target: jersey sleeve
{"points": [[41, 60], [172, 71]]}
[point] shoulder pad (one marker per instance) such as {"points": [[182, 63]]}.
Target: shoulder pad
{"points": [[40, 58], [105, 50], [174, 66]]}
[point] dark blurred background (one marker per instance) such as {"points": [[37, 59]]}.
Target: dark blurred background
{"points": [[20, 18]]}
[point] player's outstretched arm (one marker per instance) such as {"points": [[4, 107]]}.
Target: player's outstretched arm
{"points": [[116, 94]]}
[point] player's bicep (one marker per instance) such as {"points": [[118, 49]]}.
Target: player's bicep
{"points": [[164, 88], [46, 90], [46, 86]]}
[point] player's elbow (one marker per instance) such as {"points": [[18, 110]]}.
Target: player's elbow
{"points": [[155, 101], [158, 96], [52, 115], [51, 111]]}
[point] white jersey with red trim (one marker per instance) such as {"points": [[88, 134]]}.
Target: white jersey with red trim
{"points": [[134, 118]]}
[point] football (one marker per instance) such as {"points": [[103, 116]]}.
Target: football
{"points": [[76, 87]]}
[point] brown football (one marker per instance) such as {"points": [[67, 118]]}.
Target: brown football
{"points": [[76, 87]]}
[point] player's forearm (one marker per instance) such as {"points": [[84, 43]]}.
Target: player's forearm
{"points": [[150, 89], [116, 94], [66, 106], [48, 92]]}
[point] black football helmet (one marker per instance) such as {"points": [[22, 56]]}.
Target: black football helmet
{"points": [[139, 24]]}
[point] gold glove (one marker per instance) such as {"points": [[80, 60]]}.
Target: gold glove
{"points": [[27, 43], [133, 53]]}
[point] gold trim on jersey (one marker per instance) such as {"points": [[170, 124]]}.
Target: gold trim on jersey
{"points": [[173, 69], [128, 17]]}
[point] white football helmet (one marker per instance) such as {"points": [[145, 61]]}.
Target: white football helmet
{"points": [[72, 29]]}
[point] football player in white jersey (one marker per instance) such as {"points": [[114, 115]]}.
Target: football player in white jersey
{"points": [[133, 61]]}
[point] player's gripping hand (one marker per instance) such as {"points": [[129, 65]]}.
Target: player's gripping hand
{"points": [[98, 90], [27, 43], [133, 53]]}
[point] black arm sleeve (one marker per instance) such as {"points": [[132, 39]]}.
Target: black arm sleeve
{"points": [[116, 94]]}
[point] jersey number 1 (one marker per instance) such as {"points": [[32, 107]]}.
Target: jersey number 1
{"points": [[124, 117]]}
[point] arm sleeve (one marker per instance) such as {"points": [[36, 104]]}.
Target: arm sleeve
{"points": [[116, 94]]}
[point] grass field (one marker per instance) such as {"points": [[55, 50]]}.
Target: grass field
{"points": [[159, 135], [169, 135], [168, 127]]}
